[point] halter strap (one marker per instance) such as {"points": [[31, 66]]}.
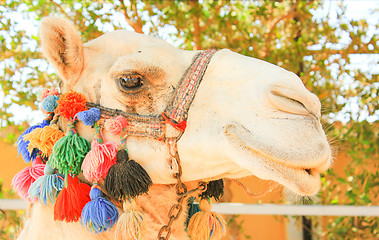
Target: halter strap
{"points": [[176, 113]]}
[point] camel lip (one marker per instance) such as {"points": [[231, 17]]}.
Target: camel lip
{"points": [[303, 181], [299, 179]]}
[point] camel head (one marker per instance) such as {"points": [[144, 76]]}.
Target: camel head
{"points": [[248, 117]]}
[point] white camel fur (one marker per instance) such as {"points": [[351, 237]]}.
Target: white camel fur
{"points": [[249, 117]]}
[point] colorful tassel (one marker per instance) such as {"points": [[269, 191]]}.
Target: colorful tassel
{"points": [[99, 160], [47, 187], [44, 139], [49, 103], [71, 200], [48, 92], [69, 152], [99, 214], [90, 116], [116, 126], [126, 178], [129, 225], [69, 104], [23, 145], [206, 225], [214, 189], [192, 209], [22, 180]]}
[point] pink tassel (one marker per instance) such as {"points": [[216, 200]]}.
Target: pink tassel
{"points": [[22, 180], [47, 92], [116, 125], [98, 161]]}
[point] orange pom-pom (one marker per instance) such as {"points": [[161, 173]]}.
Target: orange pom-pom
{"points": [[69, 104], [44, 139]]}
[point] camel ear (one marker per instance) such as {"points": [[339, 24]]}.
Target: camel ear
{"points": [[63, 48]]}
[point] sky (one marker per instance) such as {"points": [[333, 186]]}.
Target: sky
{"points": [[355, 9]]}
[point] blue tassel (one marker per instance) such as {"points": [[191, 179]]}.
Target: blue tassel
{"points": [[47, 187], [99, 214], [22, 145], [192, 209], [90, 116], [49, 103]]}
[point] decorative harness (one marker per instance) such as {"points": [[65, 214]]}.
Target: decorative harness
{"points": [[175, 115], [58, 159]]}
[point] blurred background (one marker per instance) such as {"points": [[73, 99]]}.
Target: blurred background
{"points": [[332, 46]]}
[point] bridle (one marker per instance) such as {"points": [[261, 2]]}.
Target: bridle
{"points": [[176, 113], [169, 126]]}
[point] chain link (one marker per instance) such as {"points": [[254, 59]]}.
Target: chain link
{"points": [[181, 190]]}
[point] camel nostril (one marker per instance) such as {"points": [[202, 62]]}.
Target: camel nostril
{"points": [[297, 102]]}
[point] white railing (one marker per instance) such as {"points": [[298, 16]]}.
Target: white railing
{"points": [[257, 209]]}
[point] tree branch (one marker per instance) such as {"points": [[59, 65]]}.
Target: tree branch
{"points": [[196, 26], [211, 19], [137, 26], [60, 8]]}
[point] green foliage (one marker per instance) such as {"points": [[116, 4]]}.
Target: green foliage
{"points": [[291, 34]]}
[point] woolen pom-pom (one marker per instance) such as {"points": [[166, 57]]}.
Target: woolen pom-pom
{"points": [[214, 189], [69, 104], [116, 125], [206, 225], [23, 145], [22, 180], [99, 160], [48, 92], [49, 103], [47, 187], [44, 139], [193, 208], [99, 214], [90, 116], [126, 178], [129, 225], [68, 153], [71, 200]]}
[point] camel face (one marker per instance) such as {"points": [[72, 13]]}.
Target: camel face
{"points": [[248, 116]]}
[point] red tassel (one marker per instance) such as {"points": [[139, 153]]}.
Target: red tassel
{"points": [[71, 200]]}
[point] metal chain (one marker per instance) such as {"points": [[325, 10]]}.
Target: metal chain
{"points": [[181, 189]]}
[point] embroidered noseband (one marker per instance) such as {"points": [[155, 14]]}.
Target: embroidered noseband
{"points": [[176, 113]]}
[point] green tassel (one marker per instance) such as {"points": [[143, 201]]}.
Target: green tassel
{"points": [[69, 152], [192, 209]]}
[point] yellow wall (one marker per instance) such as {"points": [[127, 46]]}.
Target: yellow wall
{"points": [[10, 164], [259, 227]]}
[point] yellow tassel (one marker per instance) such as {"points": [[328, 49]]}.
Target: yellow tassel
{"points": [[44, 139], [130, 222], [206, 225]]}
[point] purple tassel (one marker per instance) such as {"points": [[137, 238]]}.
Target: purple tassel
{"points": [[90, 116], [99, 214]]}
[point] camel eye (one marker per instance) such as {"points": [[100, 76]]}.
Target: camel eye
{"points": [[130, 82]]}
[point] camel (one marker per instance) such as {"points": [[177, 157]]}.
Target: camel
{"points": [[248, 117]]}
